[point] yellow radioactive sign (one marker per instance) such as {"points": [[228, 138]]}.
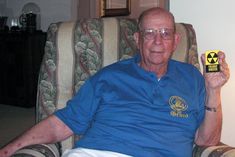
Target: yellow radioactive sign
{"points": [[212, 61]]}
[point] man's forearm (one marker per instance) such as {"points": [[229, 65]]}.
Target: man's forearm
{"points": [[209, 132], [47, 131]]}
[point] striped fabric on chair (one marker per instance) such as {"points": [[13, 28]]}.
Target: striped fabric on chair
{"points": [[221, 150]]}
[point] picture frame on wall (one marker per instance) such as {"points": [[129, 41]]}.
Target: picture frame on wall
{"points": [[110, 8], [153, 3]]}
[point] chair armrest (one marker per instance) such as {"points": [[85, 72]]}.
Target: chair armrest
{"points": [[48, 150], [209, 151]]}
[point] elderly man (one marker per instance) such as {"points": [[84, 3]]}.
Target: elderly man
{"points": [[141, 107]]}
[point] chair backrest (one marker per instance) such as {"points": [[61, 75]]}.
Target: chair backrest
{"points": [[76, 50]]}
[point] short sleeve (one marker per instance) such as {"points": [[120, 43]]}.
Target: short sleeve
{"points": [[79, 111]]}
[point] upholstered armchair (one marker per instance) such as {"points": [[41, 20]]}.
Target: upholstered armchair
{"points": [[76, 50]]}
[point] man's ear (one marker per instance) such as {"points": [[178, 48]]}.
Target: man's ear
{"points": [[137, 39], [177, 40]]}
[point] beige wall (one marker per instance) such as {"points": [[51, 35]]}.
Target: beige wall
{"points": [[214, 23], [137, 6]]}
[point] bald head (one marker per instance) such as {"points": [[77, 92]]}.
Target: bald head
{"points": [[155, 12]]}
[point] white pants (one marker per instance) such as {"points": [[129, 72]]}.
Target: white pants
{"points": [[84, 152]]}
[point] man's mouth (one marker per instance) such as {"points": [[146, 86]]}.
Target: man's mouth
{"points": [[157, 51]]}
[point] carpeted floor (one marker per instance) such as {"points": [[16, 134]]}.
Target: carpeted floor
{"points": [[13, 121]]}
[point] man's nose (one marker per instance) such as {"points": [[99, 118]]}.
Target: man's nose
{"points": [[158, 38]]}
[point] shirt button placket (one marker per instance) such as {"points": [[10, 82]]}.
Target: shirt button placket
{"points": [[155, 90]]}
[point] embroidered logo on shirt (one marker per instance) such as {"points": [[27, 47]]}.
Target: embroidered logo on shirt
{"points": [[178, 106]]}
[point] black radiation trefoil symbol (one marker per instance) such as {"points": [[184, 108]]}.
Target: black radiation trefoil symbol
{"points": [[212, 57]]}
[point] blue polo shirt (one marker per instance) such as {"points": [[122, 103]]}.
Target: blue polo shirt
{"points": [[125, 109]]}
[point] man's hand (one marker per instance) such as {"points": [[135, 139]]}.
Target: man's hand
{"points": [[215, 80]]}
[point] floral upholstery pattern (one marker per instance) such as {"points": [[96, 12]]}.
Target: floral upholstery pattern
{"points": [[88, 50], [47, 78], [127, 47], [192, 46], [88, 44]]}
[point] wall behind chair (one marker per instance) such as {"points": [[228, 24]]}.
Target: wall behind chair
{"points": [[51, 10], [214, 23]]}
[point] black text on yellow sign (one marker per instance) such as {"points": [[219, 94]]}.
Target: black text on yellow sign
{"points": [[212, 61]]}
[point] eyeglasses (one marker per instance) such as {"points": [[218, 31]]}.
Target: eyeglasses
{"points": [[150, 34]]}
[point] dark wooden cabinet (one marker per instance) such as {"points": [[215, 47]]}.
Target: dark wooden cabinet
{"points": [[20, 58]]}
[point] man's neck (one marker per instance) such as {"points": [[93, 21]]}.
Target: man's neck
{"points": [[159, 70]]}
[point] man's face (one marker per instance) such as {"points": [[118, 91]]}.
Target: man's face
{"points": [[156, 40]]}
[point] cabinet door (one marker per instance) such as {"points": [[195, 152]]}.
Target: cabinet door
{"points": [[21, 56], [13, 81], [35, 46]]}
